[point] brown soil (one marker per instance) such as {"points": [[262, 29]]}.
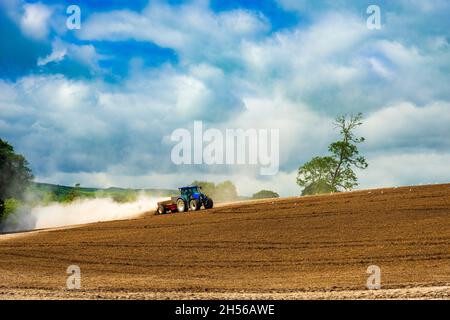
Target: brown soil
{"points": [[310, 247]]}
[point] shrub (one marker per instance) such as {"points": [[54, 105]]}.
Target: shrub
{"points": [[263, 194], [9, 207]]}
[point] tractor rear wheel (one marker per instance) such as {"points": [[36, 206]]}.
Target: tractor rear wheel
{"points": [[194, 205], [181, 205], [209, 203]]}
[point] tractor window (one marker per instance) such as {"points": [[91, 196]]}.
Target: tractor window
{"points": [[189, 191]]}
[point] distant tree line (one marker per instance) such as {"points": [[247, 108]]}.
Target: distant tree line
{"points": [[15, 177], [264, 194], [224, 191]]}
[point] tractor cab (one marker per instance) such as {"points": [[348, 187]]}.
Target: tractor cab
{"points": [[191, 192]]}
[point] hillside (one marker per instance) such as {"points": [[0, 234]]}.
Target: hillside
{"points": [[61, 191], [299, 247]]}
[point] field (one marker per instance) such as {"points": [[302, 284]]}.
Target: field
{"points": [[293, 248]]}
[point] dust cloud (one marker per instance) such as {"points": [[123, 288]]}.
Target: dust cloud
{"points": [[78, 212]]}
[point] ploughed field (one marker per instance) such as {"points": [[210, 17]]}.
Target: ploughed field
{"points": [[300, 247]]}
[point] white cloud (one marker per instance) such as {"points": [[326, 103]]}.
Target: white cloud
{"points": [[240, 22], [399, 54], [185, 28], [380, 68], [329, 37], [35, 20], [425, 5], [409, 126], [58, 53], [403, 169], [84, 54]]}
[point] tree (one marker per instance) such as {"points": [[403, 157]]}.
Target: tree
{"points": [[264, 194], [73, 194], [226, 191], [335, 172], [15, 175], [316, 175], [222, 191], [207, 187], [346, 152]]}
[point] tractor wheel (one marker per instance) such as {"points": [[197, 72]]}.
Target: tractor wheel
{"points": [[161, 210], [194, 205], [209, 203], [181, 205]]}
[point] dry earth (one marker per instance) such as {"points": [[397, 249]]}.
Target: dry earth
{"points": [[315, 247]]}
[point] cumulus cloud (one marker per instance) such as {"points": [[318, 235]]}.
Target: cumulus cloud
{"points": [[405, 125], [406, 168], [425, 6], [83, 54], [35, 20], [78, 125], [185, 27], [58, 53]]}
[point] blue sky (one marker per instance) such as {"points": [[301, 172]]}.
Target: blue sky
{"points": [[98, 105]]}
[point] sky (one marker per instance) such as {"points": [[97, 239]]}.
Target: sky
{"points": [[97, 105]]}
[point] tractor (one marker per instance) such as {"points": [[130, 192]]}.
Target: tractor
{"points": [[190, 198]]}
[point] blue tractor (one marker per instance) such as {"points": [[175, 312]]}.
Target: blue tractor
{"points": [[190, 198]]}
